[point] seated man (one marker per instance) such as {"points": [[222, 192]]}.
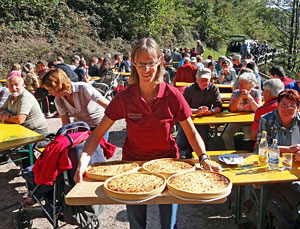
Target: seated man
{"points": [[245, 98], [204, 99], [21, 107], [271, 90], [278, 72]]}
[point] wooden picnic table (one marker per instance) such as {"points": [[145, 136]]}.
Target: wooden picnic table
{"points": [[185, 84], [252, 173], [3, 82], [94, 78], [224, 118], [15, 135], [90, 192], [123, 73], [225, 96]]}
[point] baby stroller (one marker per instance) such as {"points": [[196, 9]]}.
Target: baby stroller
{"points": [[50, 196]]}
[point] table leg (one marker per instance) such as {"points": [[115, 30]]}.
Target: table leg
{"points": [[31, 154], [238, 205], [262, 209]]}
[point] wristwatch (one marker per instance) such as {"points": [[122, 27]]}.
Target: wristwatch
{"points": [[202, 158]]}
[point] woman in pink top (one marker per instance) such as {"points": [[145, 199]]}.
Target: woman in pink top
{"points": [[150, 108]]}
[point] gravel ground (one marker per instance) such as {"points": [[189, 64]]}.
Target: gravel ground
{"points": [[12, 189]]}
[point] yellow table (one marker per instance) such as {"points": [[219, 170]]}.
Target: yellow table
{"points": [[224, 118], [15, 135], [91, 192], [3, 82], [183, 84], [225, 96], [94, 78], [225, 86], [250, 172], [123, 73]]}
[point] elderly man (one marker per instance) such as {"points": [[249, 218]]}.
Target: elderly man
{"points": [[271, 90], [185, 73], [204, 99], [21, 107], [200, 48]]}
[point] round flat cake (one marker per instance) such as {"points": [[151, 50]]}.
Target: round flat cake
{"points": [[168, 166], [199, 185], [104, 170], [135, 186]]}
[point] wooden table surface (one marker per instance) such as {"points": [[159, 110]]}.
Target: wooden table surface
{"points": [[250, 172], [95, 78], [123, 73], [15, 135], [225, 96], [224, 118], [185, 84]]}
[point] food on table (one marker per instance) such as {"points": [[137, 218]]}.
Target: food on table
{"points": [[199, 185], [168, 166], [135, 186], [104, 170]]}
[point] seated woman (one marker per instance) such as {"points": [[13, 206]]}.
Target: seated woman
{"points": [[227, 73], [245, 98], [79, 100], [283, 124]]}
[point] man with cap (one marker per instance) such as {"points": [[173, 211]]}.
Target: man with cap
{"points": [[185, 73], [21, 107], [237, 65], [204, 99]]}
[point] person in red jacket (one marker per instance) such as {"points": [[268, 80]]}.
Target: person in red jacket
{"points": [[185, 73]]}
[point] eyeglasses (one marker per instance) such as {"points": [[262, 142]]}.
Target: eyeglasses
{"points": [[288, 106], [142, 65]]}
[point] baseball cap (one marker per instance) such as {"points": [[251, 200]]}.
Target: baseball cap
{"points": [[187, 59], [204, 73], [13, 73], [236, 57], [193, 60]]}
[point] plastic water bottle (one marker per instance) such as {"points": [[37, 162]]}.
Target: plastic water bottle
{"points": [[274, 154], [263, 149]]}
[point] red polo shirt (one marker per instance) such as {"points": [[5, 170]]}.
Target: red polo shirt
{"points": [[185, 73], [149, 126], [269, 106], [286, 80]]}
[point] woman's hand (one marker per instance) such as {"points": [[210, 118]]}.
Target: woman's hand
{"points": [[210, 166], [82, 165]]}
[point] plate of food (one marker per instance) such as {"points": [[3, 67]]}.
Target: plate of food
{"points": [[168, 166], [199, 185], [134, 187], [231, 159], [104, 170]]}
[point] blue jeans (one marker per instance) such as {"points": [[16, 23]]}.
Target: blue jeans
{"points": [[137, 216]]}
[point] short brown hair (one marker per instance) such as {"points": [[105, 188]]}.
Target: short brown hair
{"points": [[58, 80], [290, 94], [146, 44]]}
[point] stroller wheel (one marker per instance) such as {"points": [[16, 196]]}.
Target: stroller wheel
{"points": [[94, 224], [22, 220]]}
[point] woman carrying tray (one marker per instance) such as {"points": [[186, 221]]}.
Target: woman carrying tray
{"points": [[150, 108]]}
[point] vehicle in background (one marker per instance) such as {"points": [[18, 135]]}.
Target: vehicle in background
{"points": [[235, 44]]}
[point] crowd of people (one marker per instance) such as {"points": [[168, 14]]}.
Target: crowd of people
{"points": [[152, 103]]}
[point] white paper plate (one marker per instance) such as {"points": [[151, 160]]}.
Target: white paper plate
{"points": [[200, 200], [231, 159]]}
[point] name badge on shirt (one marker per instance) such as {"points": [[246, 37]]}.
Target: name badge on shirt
{"points": [[134, 116]]}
